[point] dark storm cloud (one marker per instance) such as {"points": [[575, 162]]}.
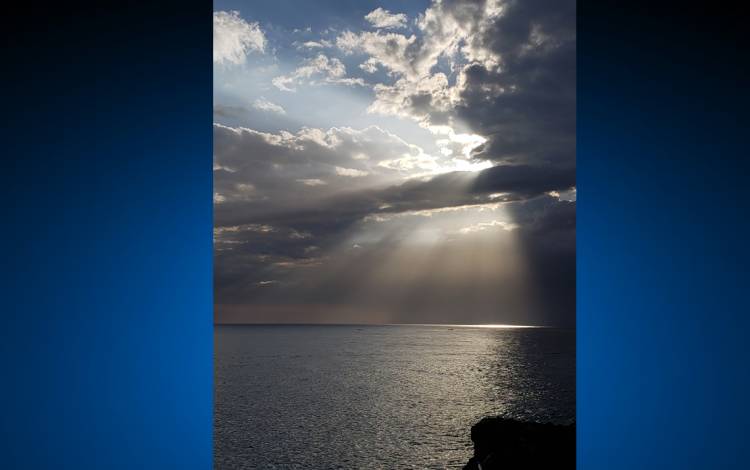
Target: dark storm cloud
{"points": [[527, 105], [338, 212], [524, 180]]}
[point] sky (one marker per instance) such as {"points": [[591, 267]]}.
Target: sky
{"points": [[395, 162]]}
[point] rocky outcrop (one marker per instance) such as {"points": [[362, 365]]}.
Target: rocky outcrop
{"points": [[501, 443]]}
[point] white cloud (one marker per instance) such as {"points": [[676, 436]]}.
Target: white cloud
{"points": [[351, 172], [384, 19], [265, 105], [312, 182], [320, 68], [369, 66], [316, 44], [482, 226], [410, 163], [458, 145], [393, 51], [422, 100], [449, 31], [234, 38], [569, 195]]}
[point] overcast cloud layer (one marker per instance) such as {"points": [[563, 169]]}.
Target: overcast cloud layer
{"points": [[399, 166]]}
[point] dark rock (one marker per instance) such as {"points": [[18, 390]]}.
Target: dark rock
{"points": [[501, 443]]}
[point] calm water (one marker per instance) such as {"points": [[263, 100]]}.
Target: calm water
{"points": [[371, 397]]}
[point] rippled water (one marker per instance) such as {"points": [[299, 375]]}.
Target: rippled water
{"points": [[370, 397]]}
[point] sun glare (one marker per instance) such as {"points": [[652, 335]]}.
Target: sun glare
{"points": [[498, 326]]}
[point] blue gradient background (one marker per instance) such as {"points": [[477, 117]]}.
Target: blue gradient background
{"points": [[107, 309], [662, 239], [107, 289]]}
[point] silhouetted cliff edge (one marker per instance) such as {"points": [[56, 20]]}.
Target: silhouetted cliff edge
{"points": [[501, 443]]}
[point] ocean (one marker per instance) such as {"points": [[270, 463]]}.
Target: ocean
{"points": [[379, 397]]}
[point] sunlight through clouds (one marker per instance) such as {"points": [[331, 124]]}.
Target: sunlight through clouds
{"points": [[413, 162]]}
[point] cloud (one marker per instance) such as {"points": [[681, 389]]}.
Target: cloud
{"points": [[369, 66], [419, 91], [234, 38], [393, 51], [265, 105], [350, 172], [323, 43], [316, 163], [525, 180], [384, 19], [316, 70], [318, 177], [526, 105], [265, 178], [442, 30], [508, 73], [430, 101], [482, 226], [223, 111], [312, 181]]}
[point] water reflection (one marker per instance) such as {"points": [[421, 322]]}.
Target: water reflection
{"points": [[379, 397], [531, 376]]}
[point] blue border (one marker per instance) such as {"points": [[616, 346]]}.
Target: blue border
{"points": [[107, 299], [662, 239], [106, 340]]}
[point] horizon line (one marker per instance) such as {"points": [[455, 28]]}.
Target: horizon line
{"points": [[454, 325]]}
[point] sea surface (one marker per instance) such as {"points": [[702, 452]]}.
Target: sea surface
{"points": [[379, 397]]}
